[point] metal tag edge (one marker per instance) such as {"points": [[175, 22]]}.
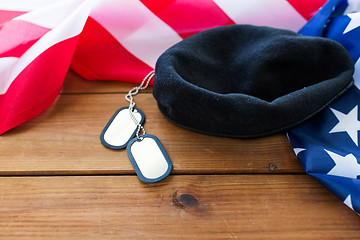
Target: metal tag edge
{"points": [[102, 140]]}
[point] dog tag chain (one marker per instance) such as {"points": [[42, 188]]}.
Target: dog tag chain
{"points": [[145, 151]]}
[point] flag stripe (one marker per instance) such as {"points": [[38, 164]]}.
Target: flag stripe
{"points": [[68, 28], [203, 15], [7, 65], [275, 13], [140, 31], [112, 62], [29, 95], [18, 36], [307, 8], [24, 5], [8, 15], [58, 13]]}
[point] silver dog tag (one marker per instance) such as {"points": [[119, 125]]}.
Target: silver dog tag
{"points": [[149, 159], [121, 128]]}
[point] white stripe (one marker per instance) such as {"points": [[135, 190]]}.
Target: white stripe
{"points": [[71, 26], [52, 15], [140, 31], [273, 13], [7, 65], [24, 5]]}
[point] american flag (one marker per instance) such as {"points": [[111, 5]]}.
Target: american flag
{"points": [[328, 144], [109, 40]]}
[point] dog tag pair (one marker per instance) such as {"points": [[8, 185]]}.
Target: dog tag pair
{"points": [[146, 153]]}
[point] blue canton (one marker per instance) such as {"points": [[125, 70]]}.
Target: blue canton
{"points": [[328, 145]]}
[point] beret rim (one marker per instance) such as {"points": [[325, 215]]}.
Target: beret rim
{"points": [[255, 135]]}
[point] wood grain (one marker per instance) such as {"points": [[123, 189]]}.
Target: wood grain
{"points": [[65, 140], [75, 84], [181, 207], [219, 188]]}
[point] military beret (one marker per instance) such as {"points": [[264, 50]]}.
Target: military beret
{"points": [[249, 81]]}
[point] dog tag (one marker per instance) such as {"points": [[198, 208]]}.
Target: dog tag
{"points": [[121, 128], [149, 159]]}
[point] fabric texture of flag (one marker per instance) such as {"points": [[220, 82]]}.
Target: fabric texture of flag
{"points": [[328, 144], [108, 40]]}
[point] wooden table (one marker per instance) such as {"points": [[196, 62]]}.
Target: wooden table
{"points": [[59, 182]]}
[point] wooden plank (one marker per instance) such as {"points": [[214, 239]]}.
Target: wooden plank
{"points": [[76, 84], [181, 207], [65, 140]]}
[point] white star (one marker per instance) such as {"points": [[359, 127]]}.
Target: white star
{"points": [[344, 166], [354, 22], [348, 202], [298, 150], [353, 6], [347, 123], [356, 75]]}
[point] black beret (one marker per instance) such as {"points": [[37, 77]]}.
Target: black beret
{"points": [[249, 81]]}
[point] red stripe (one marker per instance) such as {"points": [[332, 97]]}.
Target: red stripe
{"points": [[16, 37], [8, 15], [188, 17], [99, 56], [37, 86], [307, 8]]}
